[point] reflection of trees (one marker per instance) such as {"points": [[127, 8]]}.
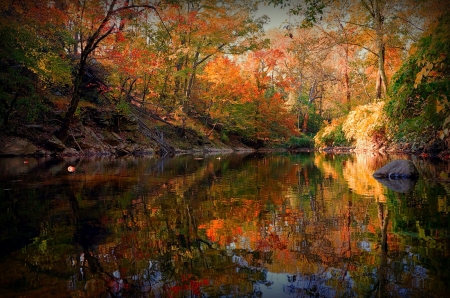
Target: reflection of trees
{"points": [[219, 227], [380, 288]]}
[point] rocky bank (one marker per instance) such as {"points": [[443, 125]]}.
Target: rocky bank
{"points": [[98, 132]]}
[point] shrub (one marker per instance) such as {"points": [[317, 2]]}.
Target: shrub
{"points": [[224, 136], [123, 107], [365, 126], [331, 135], [300, 142]]}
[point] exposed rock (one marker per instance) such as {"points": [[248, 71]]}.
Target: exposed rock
{"points": [[56, 143], [42, 153], [70, 152], [128, 123], [91, 142], [121, 151], [397, 169], [117, 136], [103, 118], [110, 138], [144, 151], [16, 146]]}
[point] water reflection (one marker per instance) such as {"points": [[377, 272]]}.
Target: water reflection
{"points": [[399, 185], [239, 226]]}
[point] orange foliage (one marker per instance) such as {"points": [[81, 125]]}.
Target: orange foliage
{"points": [[229, 83]]}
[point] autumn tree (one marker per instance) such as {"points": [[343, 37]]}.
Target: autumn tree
{"points": [[388, 24], [244, 96], [98, 21], [201, 30], [307, 73]]}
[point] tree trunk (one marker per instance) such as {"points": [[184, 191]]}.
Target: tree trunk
{"points": [[380, 45], [305, 122], [347, 81], [10, 109], [91, 44], [62, 133]]}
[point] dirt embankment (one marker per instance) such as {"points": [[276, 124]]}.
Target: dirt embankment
{"points": [[106, 132]]}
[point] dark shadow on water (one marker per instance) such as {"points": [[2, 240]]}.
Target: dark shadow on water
{"points": [[399, 185]]}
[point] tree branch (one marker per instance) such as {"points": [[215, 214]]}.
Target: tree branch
{"points": [[207, 56], [409, 22], [143, 6]]}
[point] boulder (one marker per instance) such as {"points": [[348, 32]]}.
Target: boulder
{"points": [[16, 146], [110, 138], [56, 143], [70, 152], [122, 151], [397, 169], [42, 153]]}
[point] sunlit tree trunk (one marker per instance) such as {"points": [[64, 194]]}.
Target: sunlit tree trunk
{"points": [[374, 8]]}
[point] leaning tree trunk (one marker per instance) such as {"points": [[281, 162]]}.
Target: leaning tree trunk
{"points": [[62, 133], [91, 44]]}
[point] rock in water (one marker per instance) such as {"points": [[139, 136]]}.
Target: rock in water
{"points": [[16, 146], [56, 143], [397, 169]]}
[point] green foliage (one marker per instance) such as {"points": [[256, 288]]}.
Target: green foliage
{"points": [[28, 63], [306, 109], [299, 142], [238, 120], [419, 109], [19, 46], [331, 135], [123, 107], [314, 123], [224, 136]]}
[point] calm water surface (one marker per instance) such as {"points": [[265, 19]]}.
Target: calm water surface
{"points": [[273, 225]]}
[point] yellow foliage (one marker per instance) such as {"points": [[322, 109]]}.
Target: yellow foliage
{"points": [[363, 123], [358, 173]]}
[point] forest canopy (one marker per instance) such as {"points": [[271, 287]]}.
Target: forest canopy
{"points": [[212, 65]]}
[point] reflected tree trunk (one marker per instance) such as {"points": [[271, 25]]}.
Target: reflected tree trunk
{"points": [[383, 216]]}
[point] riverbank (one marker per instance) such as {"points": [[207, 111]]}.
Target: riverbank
{"points": [[392, 149], [102, 132]]}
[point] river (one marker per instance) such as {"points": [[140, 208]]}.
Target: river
{"points": [[237, 225]]}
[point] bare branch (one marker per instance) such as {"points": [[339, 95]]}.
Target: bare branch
{"points": [[409, 22], [143, 6]]}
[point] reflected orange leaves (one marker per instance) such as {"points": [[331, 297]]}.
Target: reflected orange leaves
{"points": [[327, 227], [271, 242], [213, 230], [207, 224], [296, 222], [188, 283]]}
